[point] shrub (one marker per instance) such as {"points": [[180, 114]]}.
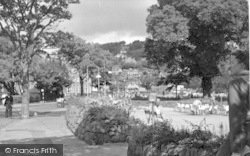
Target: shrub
{"points": [[162, 138], [34, 97], [97, 121]]}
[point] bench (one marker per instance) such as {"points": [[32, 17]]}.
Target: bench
{"points": [[60, 102]]}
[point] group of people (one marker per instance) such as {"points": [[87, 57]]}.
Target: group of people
{"points": [[153, 112], [202, 107]]}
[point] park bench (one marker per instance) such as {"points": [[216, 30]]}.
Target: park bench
{"points": [[60, 102]]}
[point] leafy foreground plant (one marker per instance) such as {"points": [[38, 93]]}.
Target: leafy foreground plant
{"points": [[162, 139]]}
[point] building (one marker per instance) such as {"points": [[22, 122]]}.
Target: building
{"points": [[122, 54], [75, 87], [132, 73], [116, 69]]}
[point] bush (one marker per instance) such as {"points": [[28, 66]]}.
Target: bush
{"points": [[34, 97], [162, 98], [162, 138], [97, 121]]}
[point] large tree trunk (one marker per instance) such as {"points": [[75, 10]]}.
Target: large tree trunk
{"points": [[81, 85], [206, 85], [25, 94]]}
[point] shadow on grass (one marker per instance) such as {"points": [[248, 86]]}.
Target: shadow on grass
{"points": [[75, 147]]}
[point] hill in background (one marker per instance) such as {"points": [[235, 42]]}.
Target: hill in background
{"points": [[134, 49]]}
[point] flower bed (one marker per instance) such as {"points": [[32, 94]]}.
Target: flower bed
{"points": [[161, 139], [98, 121]]}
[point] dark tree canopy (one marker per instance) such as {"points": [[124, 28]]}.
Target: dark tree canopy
{"points": [[196, 32], [114, 47]]}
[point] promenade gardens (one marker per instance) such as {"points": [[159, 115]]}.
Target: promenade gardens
{"points": [[73, 87]]}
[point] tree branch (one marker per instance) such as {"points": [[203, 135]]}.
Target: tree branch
{"points": [[9, 35]]}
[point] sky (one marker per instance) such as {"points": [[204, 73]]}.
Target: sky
{"points": [[104, 21]]}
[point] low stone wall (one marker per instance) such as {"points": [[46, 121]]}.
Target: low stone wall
{"points": [[96, 123]]}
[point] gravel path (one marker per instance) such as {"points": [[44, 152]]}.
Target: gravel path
{"points": [[182, 120]]}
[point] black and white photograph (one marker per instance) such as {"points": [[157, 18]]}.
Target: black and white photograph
{"points": [[124, 78]]}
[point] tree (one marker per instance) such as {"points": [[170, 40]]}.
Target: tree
{"points": [[51, 75], [7, 66], [135, 49], [114, 47], [118, 82], [220, 82], [81, 55], [148, 79], [25, 23], [102, 60], [129, 63], [194, 83], [198, 31], [75, 51], [175, 78], [159, 53]]}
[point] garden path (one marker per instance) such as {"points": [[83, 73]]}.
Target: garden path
{"points": [[50, 127]]}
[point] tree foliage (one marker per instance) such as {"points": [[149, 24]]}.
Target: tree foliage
{"points": [[82, 55], [114, 47], [149, 78], [136, 49], [196, 32], [8, 75], [51, 74], [25, 23]]}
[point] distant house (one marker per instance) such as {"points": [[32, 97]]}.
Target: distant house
{"points": [[142, 89], [75, 87], [132, 73], [132, 88], [122, 54], [116, 69]]}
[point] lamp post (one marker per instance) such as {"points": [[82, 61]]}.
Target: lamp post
{"points": [[98, 76], [87, 82], [42, 90], [109, 72]]}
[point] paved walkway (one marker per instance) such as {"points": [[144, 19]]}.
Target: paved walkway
{"points": [[49, 127]]}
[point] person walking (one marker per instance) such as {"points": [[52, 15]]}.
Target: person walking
{"points": [[157, 111], [3, 97], [238, 140], [153, 113], [8, 104]]}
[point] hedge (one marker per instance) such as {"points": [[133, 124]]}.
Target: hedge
{"points": [[33, 98], [98, 121]]}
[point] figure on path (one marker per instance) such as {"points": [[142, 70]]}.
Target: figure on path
{"points": [[153, 113], [8, 104]]}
